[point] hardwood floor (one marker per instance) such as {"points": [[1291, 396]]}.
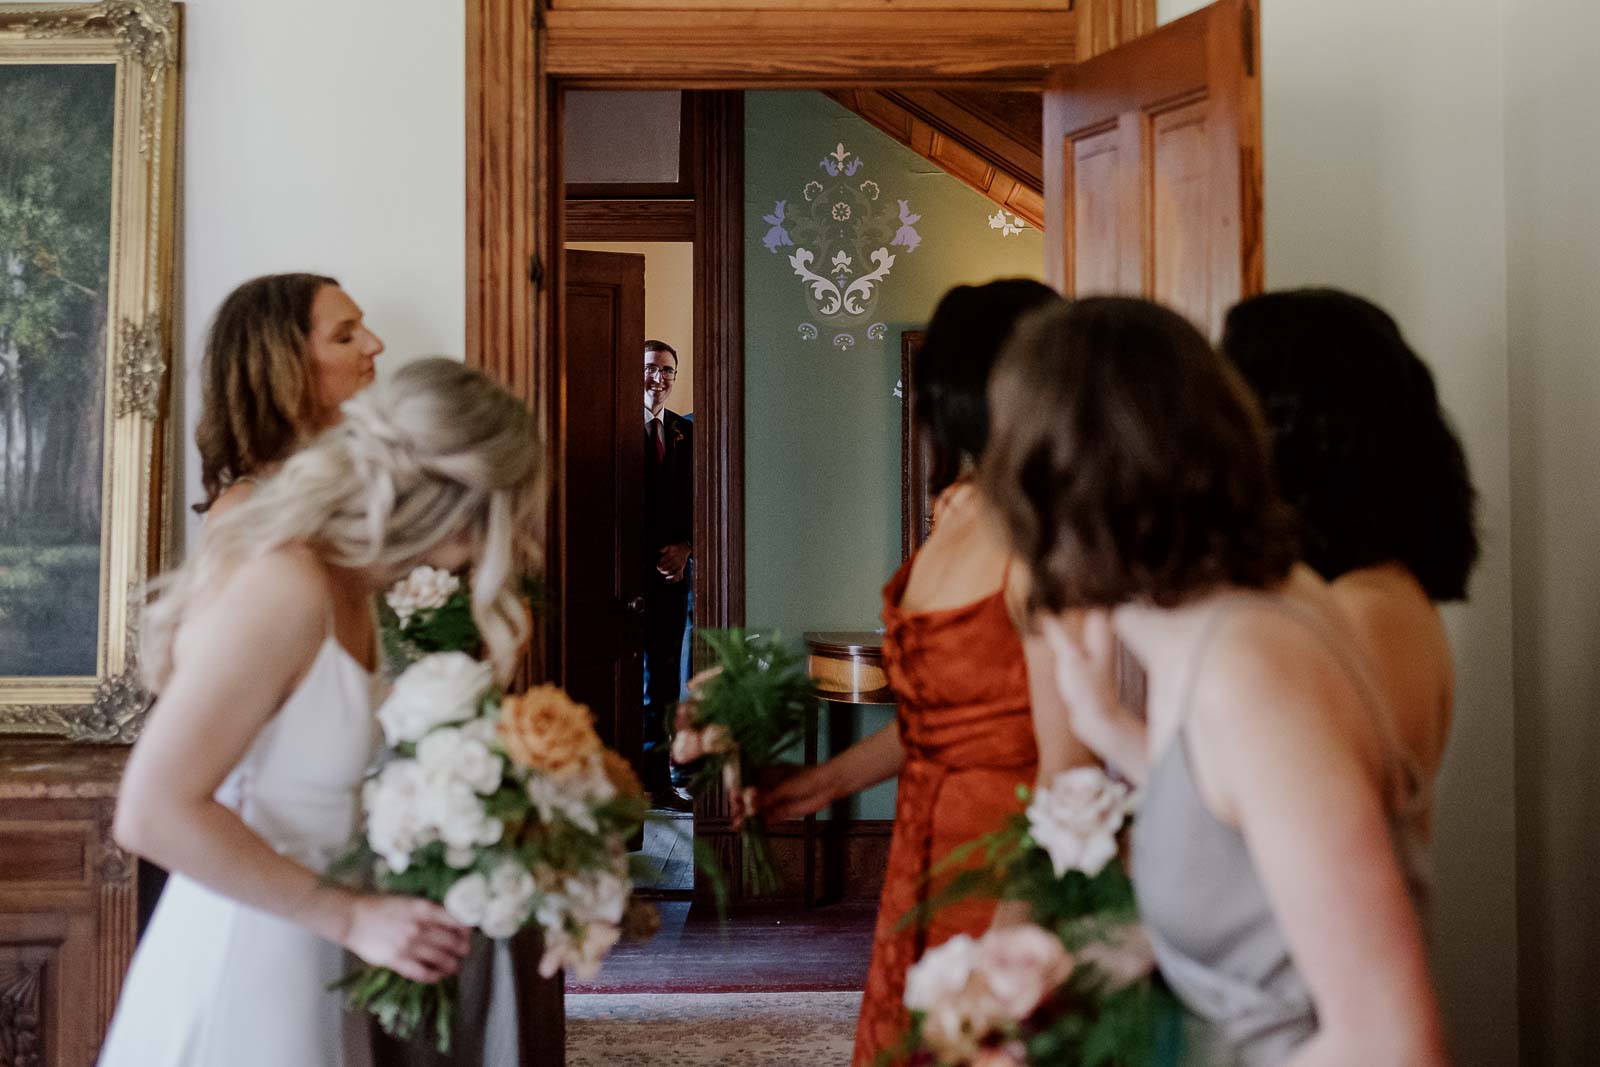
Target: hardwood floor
{"points": [[669, 853], [767, 948]]}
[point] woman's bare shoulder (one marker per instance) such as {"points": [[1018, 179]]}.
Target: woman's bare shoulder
{"points": [[281, 595], [231, 497]]}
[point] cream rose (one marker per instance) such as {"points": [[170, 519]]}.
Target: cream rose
{"points": [[437, 690], [1076, 820]]}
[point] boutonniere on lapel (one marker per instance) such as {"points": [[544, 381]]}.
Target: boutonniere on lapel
{"points": [[677, 434]]}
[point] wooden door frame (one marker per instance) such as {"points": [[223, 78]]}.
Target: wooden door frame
{"points": [[521, 56]]}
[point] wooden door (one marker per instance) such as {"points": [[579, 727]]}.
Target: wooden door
{"points": [[1153, 167], [602, 493]]}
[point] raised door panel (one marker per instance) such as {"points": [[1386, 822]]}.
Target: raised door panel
{"points": [[602, 401], [1183, 215], [1102, 257], [1153, 167]]}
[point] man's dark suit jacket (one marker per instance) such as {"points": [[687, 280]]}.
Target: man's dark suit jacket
{"points": [[668, 490]]}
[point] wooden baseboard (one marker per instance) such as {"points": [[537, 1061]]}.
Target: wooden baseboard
{"points": [[849, 860]]}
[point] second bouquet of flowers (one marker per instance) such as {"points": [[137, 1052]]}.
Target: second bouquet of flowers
{"points": [[741, 717], [1072, 983]]}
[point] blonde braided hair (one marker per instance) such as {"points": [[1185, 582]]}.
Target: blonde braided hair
{"points": [[437, 450]]}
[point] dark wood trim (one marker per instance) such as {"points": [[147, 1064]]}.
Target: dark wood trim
{"points": [[718, 125], [916, 499], [630, 220]]}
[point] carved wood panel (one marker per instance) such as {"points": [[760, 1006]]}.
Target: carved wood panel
{"points": [[67, 902]]}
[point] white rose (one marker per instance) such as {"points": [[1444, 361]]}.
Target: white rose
{"points": [[424, 589], [511, 879], [468, 900], [942, 972], [503, 917], [1076, 820], [449, 752], [457, 812], [445, 687], [395, 823], [949, 987]]}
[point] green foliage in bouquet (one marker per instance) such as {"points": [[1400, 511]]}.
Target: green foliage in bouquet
{"points": [[760, 701], [446, 628], [1091, 1020]]}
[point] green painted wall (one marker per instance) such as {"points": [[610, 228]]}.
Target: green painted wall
{"points": [[822, 422]]}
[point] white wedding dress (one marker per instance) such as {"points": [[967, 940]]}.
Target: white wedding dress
{"points": [[216, 983]]}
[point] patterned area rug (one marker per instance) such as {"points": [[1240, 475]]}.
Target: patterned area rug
{"points": [[701, 1029]]}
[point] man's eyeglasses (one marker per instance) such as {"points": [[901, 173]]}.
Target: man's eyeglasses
{"points": [[666, 374]]}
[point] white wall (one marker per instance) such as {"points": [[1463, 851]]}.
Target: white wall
{"points": [[1553, 289], [1385, 160], [327, 137]]}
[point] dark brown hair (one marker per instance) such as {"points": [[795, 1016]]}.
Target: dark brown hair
{"points": [[257, 402], [950, 372], [1128, 461], [662, 346], [1362, 448]]}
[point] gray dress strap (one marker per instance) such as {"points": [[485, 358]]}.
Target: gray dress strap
{"points": [[1216, 938]]}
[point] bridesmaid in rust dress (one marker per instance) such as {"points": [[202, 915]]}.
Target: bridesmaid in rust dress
{"points": [[965, 732]]}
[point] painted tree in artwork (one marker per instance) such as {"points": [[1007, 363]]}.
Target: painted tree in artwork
{"points": [[57, 125]]}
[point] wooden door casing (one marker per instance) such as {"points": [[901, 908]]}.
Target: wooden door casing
{"points": [[602, 492], [1153, 167]]}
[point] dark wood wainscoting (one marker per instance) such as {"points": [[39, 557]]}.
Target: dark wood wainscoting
{"points": [[68, 907]]}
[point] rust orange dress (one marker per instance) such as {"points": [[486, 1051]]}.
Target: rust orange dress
{"points": [[965, 724]]}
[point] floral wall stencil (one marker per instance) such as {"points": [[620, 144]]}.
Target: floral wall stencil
{"points": [[822, 421], [842, 229], [1008, 224]]}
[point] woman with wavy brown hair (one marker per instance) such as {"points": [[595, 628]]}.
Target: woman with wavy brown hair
{"points": [[1131, 469], [283, 353]]}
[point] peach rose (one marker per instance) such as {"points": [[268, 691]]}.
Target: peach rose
{"points": [[620, 774], [1022, 965], [546, 730]]}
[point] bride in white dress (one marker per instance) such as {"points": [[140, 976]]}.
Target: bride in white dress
{"points": [[245, 782]]}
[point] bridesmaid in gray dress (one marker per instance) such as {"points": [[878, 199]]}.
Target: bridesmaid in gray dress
{"points": [[1273, 853]]}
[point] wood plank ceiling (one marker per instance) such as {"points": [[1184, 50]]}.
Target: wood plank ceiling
{"points": [[990, 141]]}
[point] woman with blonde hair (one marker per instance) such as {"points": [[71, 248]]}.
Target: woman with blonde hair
{"points": [[245, 782], [284, 352]]}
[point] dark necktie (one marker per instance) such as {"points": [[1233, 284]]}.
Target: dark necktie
{"points": [[659, 440]]}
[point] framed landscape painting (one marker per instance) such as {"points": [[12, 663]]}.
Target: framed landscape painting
{"points": [[88, 121]]}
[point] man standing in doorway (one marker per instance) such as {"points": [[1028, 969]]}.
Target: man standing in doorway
{"points": [[668, 528]]}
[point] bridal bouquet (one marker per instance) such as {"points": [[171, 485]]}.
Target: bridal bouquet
{"points": [[507, 810], [741, 717], [1074, 985]]}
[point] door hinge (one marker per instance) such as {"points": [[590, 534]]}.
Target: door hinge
{"points": [[1247, 15], [535, 271]]}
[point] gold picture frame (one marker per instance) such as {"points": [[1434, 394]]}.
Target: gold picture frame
{"points": [[87, 456]]}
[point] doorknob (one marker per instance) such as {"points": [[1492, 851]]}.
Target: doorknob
{"points": [[635, 606]]}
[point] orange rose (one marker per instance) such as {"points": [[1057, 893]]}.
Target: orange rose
{"points": [[546, 730], [620, 774]]}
